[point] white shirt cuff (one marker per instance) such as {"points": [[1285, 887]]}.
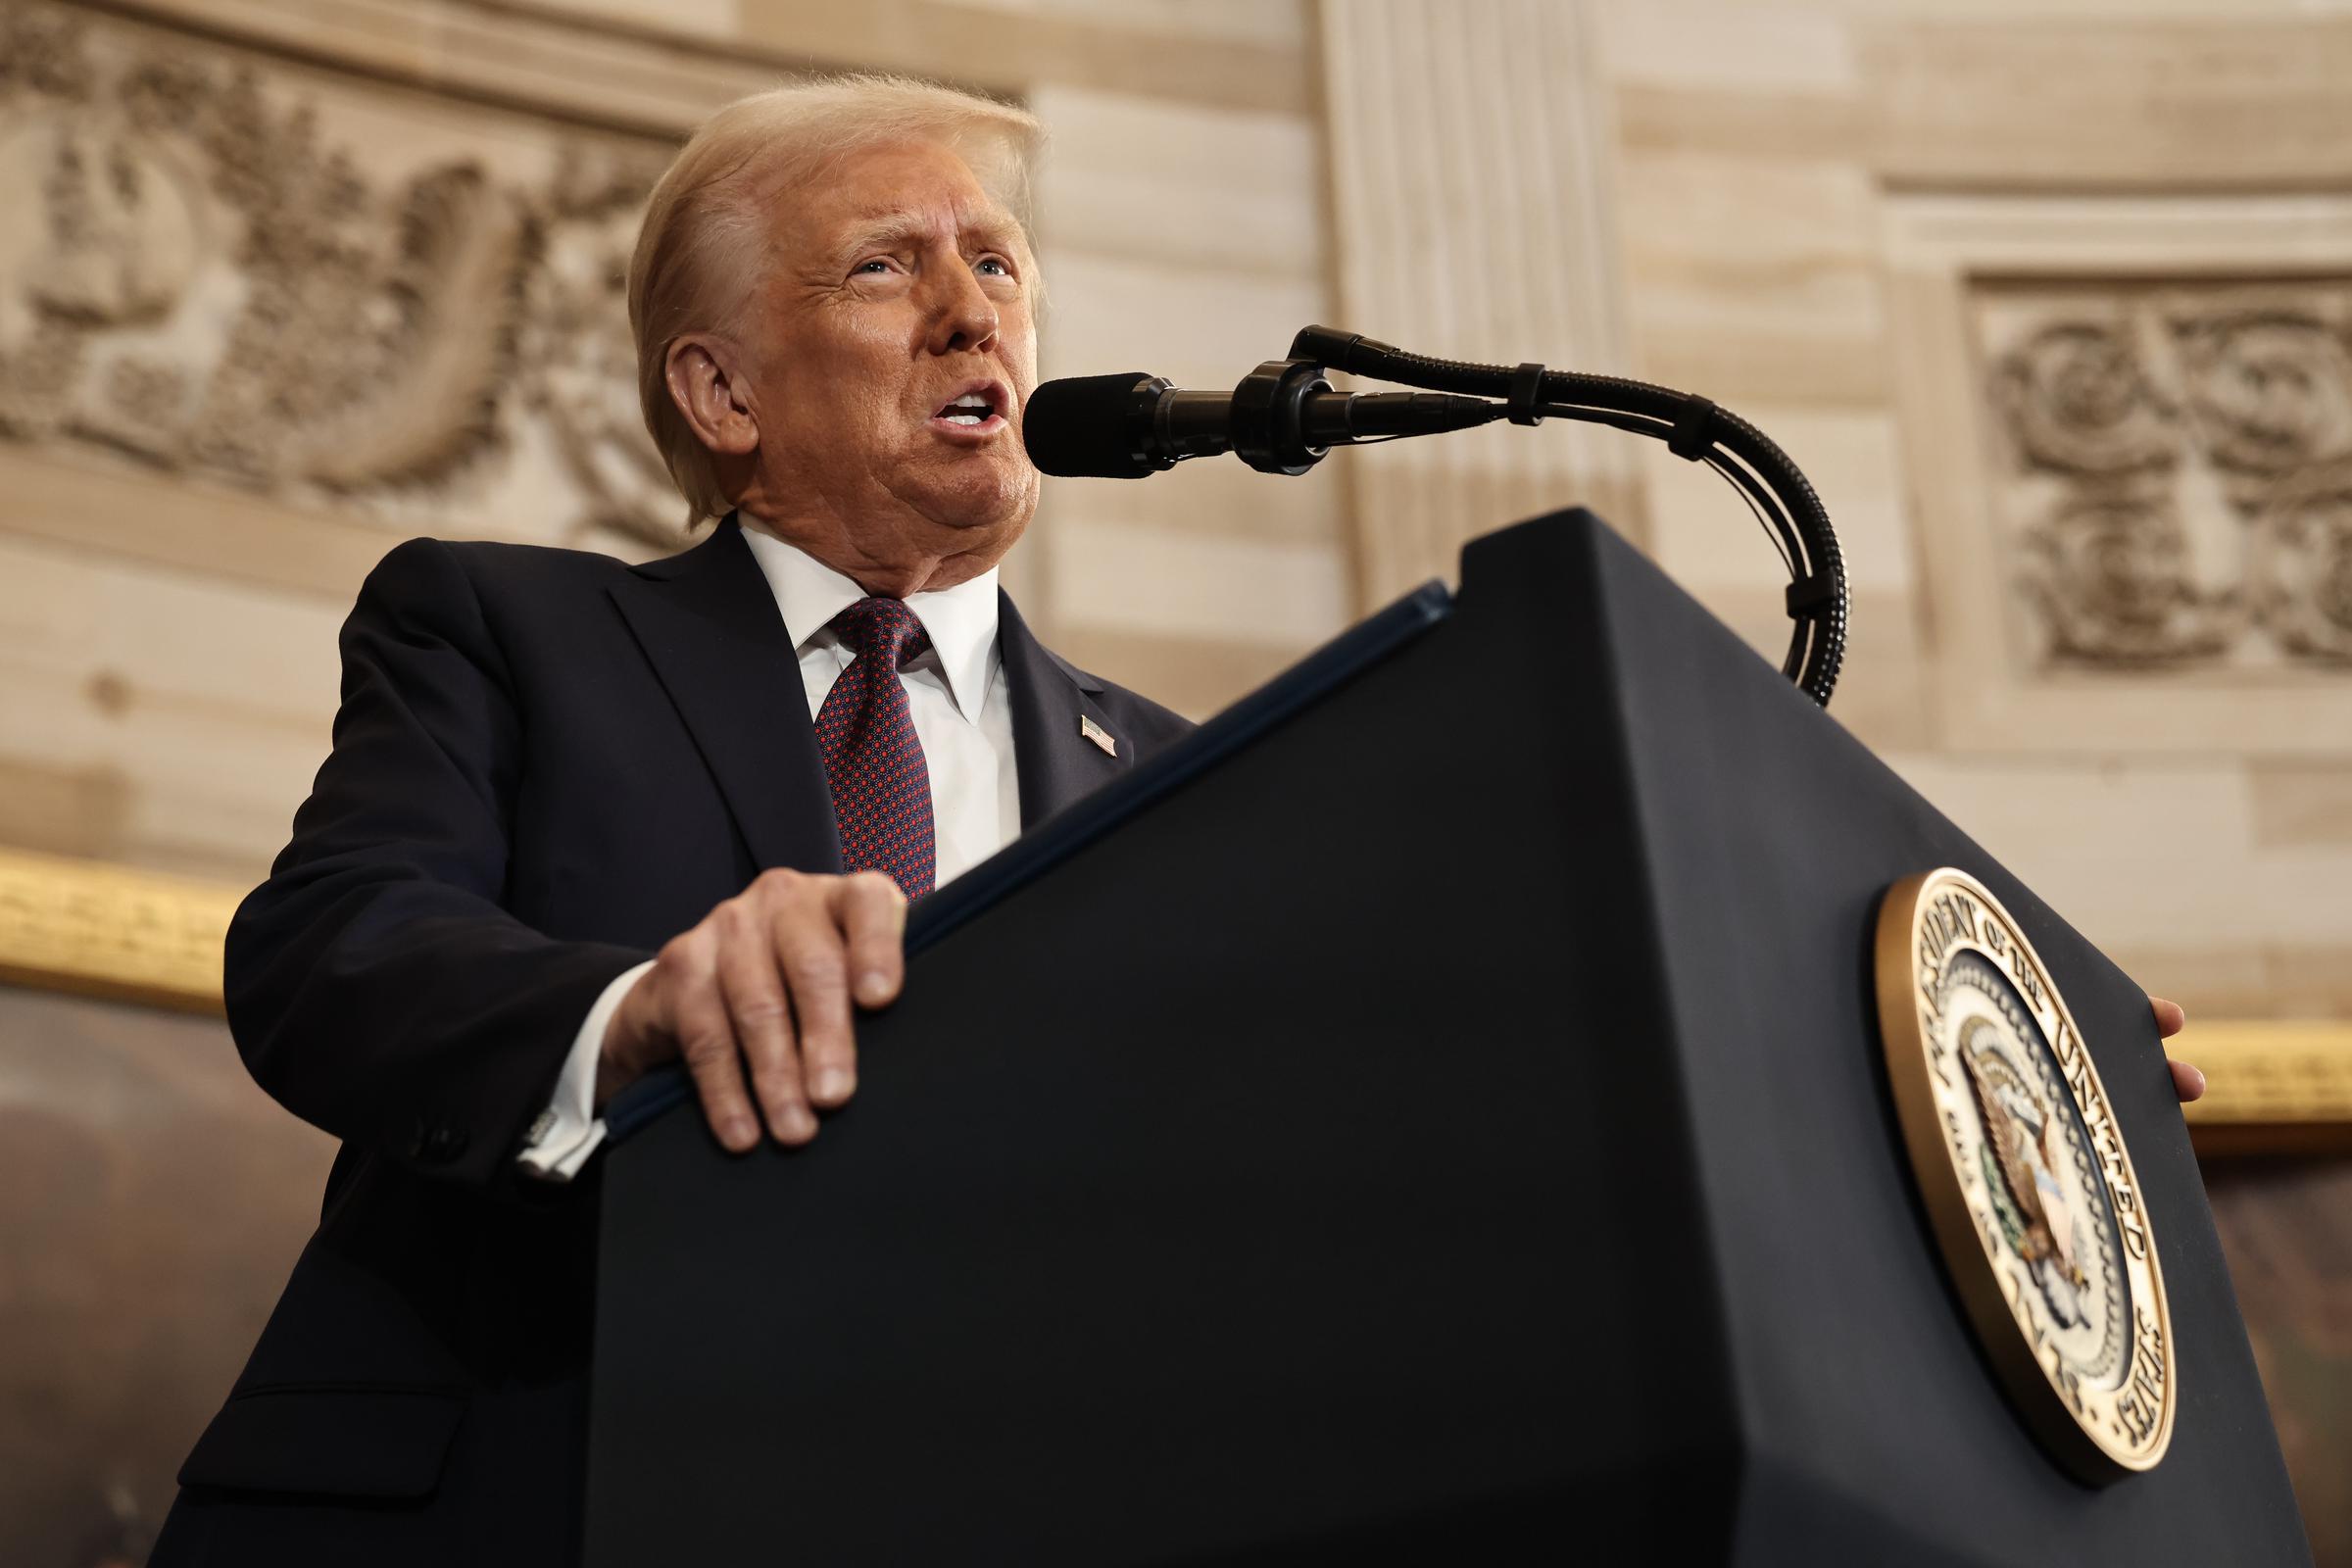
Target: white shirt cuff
{"points": [[569, 1130]]}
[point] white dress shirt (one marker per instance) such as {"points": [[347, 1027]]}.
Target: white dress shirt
{"points": [[955, 694]]}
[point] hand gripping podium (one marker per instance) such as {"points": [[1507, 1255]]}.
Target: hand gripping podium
{"points": [[1436, 1114]]}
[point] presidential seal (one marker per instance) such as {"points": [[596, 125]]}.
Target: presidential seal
{"points": [[2025, 1175]]}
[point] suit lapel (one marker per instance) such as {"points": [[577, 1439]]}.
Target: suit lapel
{"points": [[1052, 704], [709, 624]]}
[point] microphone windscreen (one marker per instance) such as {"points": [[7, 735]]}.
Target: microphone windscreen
{"points": [[1078, 428]]}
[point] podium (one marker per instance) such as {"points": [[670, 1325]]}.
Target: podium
{"points": [[1438, 1113]]}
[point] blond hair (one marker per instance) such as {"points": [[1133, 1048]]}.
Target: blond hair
{"points": [[700, 250]]}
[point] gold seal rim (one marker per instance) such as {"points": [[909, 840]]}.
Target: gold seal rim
{"points": [[1969, 1263]]}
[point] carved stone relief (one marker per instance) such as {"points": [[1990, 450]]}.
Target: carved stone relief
{"points": [[342, 296], [2177, 470]]}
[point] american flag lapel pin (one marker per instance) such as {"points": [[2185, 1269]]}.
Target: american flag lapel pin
{"points": [[1099, 735]]}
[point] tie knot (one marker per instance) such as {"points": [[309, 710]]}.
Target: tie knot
{"points": [[884, 630]]}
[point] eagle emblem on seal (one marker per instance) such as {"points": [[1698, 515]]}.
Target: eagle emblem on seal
{"points": [[2020, 1159]]}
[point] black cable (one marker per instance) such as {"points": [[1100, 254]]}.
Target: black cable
{"points": [[1786, 540], [1780, 546], [1818, 599], [1760, 502]]}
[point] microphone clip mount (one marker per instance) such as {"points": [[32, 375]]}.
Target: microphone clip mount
{"points": [[1269, 417]]}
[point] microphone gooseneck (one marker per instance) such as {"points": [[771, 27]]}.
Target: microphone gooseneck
{"points": [[1284, 418], [1693, 428]]}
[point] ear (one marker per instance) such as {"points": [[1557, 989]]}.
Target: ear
{"points": [[706, 383]]}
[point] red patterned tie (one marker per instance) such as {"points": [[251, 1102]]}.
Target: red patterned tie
{"points": [[873, 760]]}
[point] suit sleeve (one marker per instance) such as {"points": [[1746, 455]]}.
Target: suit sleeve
{"points": [[376, 987]]}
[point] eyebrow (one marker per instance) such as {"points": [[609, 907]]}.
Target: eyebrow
{"points": [[889, 225]]}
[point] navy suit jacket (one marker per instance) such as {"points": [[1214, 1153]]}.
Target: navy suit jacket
{"points": [[545, 765]]}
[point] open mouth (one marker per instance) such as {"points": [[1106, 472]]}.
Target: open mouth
{"points": [[979, 407]]}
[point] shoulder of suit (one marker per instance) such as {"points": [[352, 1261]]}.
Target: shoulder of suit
{"points": [[495, 568], [497, 558]]}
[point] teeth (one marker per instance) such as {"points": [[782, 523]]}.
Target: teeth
{"points": [[966, 419]]}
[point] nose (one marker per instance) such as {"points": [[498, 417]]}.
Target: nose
{"points": [[963, 318]]}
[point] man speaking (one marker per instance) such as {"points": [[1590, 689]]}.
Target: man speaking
{"points": [[580, 819]]}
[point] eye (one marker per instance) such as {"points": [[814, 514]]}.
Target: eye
{"points": [[879, 264], [1002, 266]]}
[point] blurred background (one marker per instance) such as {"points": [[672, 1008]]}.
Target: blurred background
{"points": [[2054, 301]]}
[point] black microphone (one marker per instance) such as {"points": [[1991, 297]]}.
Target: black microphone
{"points": [[1281, 420]]}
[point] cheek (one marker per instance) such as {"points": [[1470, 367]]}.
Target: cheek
{"points": [[848, 365], [1020, 351], [864, 413], [875, 407]]}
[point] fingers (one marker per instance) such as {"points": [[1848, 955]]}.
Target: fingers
{"points": [[2187, 1082], [705, 1037], [2170, 1017], [765, 984], [761, 1016], [872, 913], [814, 956], [845, 942], [852, 948]]}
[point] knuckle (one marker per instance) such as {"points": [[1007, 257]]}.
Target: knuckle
{"points": [[704, 1047], [763, 1012], [777, 882], [816, 967]]}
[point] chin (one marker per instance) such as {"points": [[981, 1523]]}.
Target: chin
{"points": [[986, 506]]}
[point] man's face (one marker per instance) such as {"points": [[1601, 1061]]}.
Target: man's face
{"points": [[899, 291]]}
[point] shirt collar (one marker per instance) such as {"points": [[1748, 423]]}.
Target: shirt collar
{"points": [[960, 621]]}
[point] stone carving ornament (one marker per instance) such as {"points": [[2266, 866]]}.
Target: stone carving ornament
{"points": [[201, 276], [2302, 571], [2109, 569], [2079, 402], [2182, 465]]}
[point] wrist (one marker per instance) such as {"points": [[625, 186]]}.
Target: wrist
{"points": [[610, 1079], [618, 1061]]}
